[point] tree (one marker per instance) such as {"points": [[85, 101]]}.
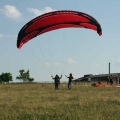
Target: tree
{"points": [[25, 76], [5, 77]]}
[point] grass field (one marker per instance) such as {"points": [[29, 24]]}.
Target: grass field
{"points": [[42, 102]]}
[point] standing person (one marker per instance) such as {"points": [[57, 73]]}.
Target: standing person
{"points": [[56, 81], [70, 81], [59, 79], [111, 79], [118, 79], [108, 80]]}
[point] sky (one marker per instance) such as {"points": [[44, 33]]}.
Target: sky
{"points": [[64, 51]]}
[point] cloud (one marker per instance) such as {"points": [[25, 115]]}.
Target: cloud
{"points": [[53, 64], [1, 35], [118, 60], [37, 12], [11, 12], [70, 61], [57, 64], [7, 36], [48, 64], [98, 66]]}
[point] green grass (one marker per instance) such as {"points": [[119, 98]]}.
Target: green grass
{"points": [[42, 102]]}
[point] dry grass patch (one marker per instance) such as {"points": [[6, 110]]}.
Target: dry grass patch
{"points": [[42, 102]]}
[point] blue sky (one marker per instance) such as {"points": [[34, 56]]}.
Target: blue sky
{"points": [[64, 51]]}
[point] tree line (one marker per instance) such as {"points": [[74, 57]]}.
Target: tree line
{"points": [[23, 76]]}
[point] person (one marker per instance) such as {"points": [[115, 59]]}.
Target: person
{"points": [[70, 81], [111, 79], [118, 79], [56, 81], [108, 80]]}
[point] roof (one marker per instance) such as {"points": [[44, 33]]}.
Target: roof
{"points": [[100, 76]]}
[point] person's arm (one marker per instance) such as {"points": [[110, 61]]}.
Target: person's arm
{"points": [[61, 77], [66, 76], [52, 77]]}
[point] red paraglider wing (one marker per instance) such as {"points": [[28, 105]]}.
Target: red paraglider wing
{"points": [[56, 20]]}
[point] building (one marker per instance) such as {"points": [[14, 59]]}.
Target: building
{"points": [[96, 78]]}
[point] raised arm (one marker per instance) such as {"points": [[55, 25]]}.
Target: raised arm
{"points": [[66, 76], [61, 77], [52, 77]]}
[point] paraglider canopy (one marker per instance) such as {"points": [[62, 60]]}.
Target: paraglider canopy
{"points": [[56, 20]]}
